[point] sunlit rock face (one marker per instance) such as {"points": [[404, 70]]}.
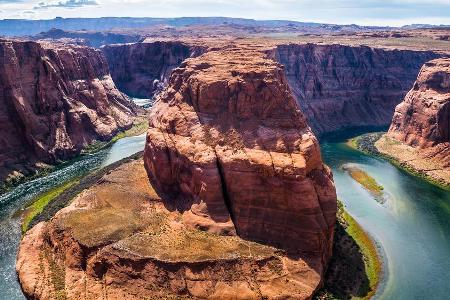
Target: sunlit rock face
{"points": [[228, 141], [142, 69], [339, 86], [419, 136], [423, 118], [55, 99]]}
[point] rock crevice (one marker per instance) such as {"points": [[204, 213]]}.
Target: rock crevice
{"points": [[247, 149]]}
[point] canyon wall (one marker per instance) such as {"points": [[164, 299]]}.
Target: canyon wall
{"points": [[228, 140], [420, 131], [88, 38], [142, 69], [55, 100], [423, 118], [340, 86]]}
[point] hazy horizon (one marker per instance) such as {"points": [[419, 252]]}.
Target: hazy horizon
{"points": [[364, 12]]}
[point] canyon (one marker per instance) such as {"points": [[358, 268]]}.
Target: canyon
{"points": [[336, 86], [142, 70], [239, 204], [419, 135], [55, 100], [340, 87], [231, 198]]}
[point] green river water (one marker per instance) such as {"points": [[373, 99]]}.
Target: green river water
{"points": [[411, 229]]}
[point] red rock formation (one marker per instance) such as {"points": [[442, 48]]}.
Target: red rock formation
{"points": [[340, 86], [117, 240], [55, 100], [142, 69], [423, 118], [245, 207], [228, 142], [422, 124]]}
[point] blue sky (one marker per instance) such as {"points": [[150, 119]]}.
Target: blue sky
{"points": [[363, 12]]}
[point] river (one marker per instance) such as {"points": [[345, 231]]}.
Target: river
{"points": [[412, 228], [11, 202]]}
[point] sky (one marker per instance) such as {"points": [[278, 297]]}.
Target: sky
{"points": [[361, 12]]}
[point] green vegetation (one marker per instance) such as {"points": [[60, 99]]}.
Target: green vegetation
{"points": [[369, 251], [364, 179], [19, 178], [46, 205], [138, 128], [40, 202], [366, 144], [355, 268]]}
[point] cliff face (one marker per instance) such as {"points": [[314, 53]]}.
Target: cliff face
{"points": [[340, 86], [54, 100], [419, 135], [423, 118], [142, 69], [119, 240], [228, 138], [89, 38]]}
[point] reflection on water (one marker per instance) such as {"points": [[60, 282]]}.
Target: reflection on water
{"points": [[18, 197], [412, 226]]}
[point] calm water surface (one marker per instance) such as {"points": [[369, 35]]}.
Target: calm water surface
{"points": [[412, 228], [10, 232]]}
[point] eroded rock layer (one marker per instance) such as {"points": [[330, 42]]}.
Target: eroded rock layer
{"points": [[421, 123], [228, 142], [118, 240], [142, 69], [55, 100], [339, 86]]}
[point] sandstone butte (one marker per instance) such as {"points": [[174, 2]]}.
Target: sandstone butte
{"points": [[239, 204], [55, 99], [419, 135]]}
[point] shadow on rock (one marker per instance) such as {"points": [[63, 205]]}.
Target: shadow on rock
{"points": [[346, 276]]}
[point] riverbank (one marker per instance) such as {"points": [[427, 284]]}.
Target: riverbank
{"points": [[48, 204], [140, 126], [355, 268], [378, 144]]}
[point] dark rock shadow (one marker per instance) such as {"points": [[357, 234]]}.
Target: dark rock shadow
{"points": [[346, 275]]}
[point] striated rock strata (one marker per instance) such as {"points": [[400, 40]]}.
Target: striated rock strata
{"points": [[419, 135], [229, 145], [118, 240], [239, 203], [55, 100], [142, 69], [339, 86]]}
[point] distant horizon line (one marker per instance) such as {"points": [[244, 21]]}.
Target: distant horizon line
{"points": [[232, 18]]}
